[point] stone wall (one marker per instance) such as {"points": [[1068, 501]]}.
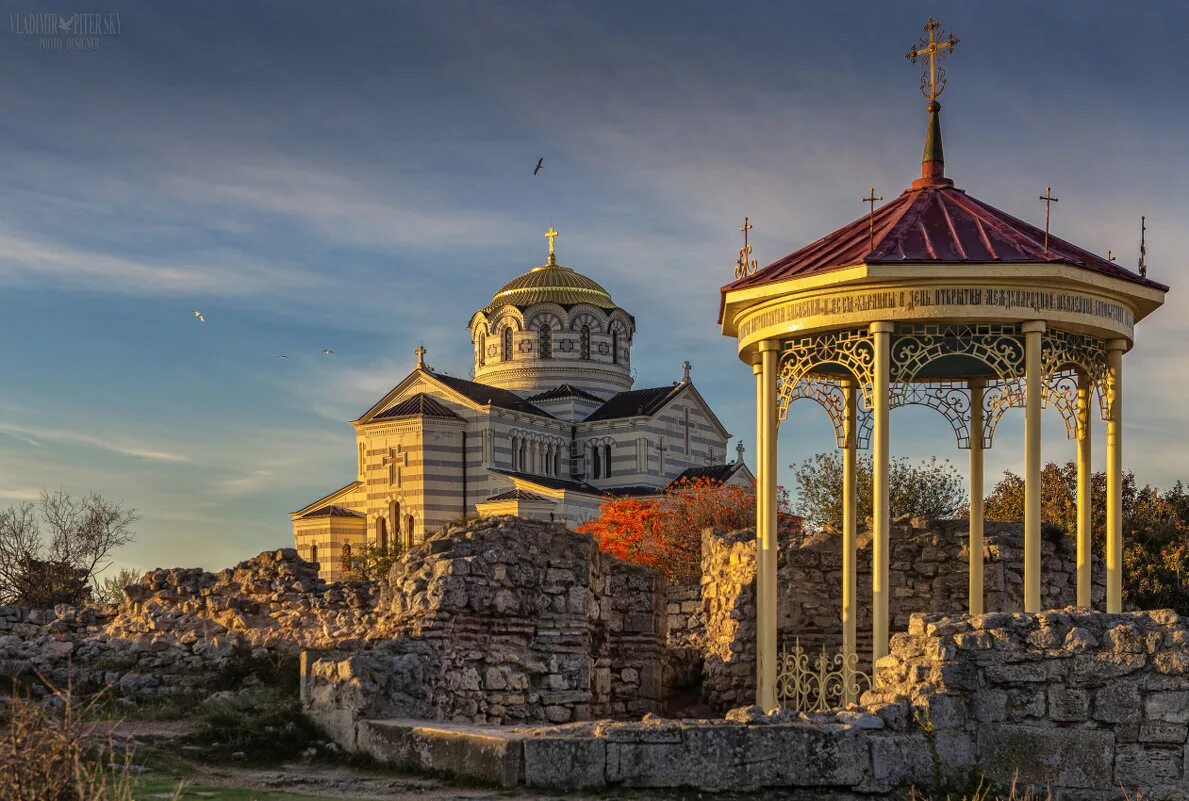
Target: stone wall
{"points": [[526, 621], [510, 619], [928, 573], [1082, 703]]}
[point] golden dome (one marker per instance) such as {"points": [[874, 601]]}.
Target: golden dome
{"points": [[551, 283]]}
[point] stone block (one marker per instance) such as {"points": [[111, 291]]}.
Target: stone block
{"points": [[1171, 733], [1044, 757], [1068, 706], [802, 755], [1140, 766], [565, 763], [1117, 703], [459, 751], [1171, 706]]}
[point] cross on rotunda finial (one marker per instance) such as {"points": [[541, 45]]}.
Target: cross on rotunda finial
{"points": [[872, 199], [1048, 199], [745, 265], [933, 48], [421, 351], [551, 235]]}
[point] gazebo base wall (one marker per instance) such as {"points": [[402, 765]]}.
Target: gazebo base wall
{"points": [[928, 567]]}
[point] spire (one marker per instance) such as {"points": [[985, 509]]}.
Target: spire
{"points": [[934, 48]]}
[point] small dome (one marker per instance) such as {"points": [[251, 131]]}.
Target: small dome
{"points": [[551, 283]]}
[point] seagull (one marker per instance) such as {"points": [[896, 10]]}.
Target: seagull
{"points": [[540, 164], [198, 314], [327, 352], [280, 356]]}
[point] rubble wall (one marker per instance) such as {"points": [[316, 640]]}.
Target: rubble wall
{"points": [[928, 573]]}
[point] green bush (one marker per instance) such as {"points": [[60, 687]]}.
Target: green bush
{"points": [[257, 725]]}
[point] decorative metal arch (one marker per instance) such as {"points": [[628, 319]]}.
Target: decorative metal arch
{"points": [[1064, 357], [916, 345], [951, 398], [851, 348], [998, 397], [828, 393]]}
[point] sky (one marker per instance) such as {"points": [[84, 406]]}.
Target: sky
{"points": [[358, 176]]}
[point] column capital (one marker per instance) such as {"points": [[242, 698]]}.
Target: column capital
{"points": [[1033, 327], [757, 367], [1117, 344], [770, 344], [882, 327]]}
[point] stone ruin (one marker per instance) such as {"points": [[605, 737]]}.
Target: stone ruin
{"points": [[524, 624]]}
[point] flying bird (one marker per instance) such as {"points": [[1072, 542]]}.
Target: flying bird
{"points": [[280, 356], [198, 314], [327, 352], [540, 164]]}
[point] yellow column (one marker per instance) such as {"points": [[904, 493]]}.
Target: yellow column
{"points": [[880, 501], [849, 526], [1084, 595], [1033, 331], [1114, 477], [975, 544], [769, 353], [761, 627]]}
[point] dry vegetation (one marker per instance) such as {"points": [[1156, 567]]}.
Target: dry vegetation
{"points": [[52, 751]]}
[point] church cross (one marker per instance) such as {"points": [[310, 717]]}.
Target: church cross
{"points": [[1048, 199], [686, 425], [421, 351], [871, 199], [551, 235], [933, 79], [686, 367]]}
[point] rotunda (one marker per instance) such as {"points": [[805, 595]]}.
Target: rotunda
{"points": [[553, 326], [941, 300]]}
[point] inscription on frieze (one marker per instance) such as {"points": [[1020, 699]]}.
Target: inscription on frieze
{"points": [[910, 300]]}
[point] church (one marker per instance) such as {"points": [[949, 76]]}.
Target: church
{"points": [[550, 427]]}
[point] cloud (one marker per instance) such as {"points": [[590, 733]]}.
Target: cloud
{"points": [[37, 437], [26, 260], [20, 494]]}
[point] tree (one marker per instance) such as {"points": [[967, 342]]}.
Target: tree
{"points": [[665, 532], [371, 562], [110, 589], [931, 489], [51, 552], [1155, 528]]}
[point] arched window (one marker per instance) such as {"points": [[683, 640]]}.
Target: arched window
{"points": [[314, 555], [482, 348], [614, 346], [410, 524], [596, 467], [557, 461], [345, 557], [382, 534], [607, 461], [546, 341], [507, 355], [584, 342]]}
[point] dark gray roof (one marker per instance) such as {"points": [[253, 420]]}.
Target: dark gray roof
{"points": [[550, 482], [419, 405], [718, 473], [565, 391], [482, 393], [636, 403], [516, 495], [333, 511]]}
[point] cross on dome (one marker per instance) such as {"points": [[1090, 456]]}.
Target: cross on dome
{"points": [[551, 235], [420, 351]]}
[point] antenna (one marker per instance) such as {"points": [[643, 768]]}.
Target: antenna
{"points": [[1143, 246]]}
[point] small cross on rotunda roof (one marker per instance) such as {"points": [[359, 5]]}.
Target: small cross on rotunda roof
{"points": [[421, 351]]}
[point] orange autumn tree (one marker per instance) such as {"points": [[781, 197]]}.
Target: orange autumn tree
{"points": [[665, 533]]}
